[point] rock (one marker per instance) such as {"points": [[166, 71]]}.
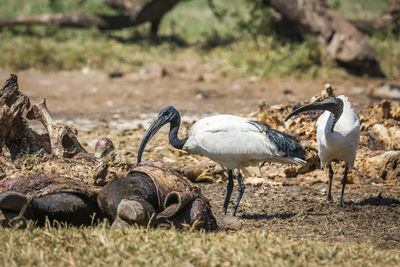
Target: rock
{"points": [[115, 74], [85, 70], [254, 181], [391, 168], [230, 222], [193, 172], [384, 165], [388, 136], [380, 126], [157, 71], [388, 91], [120, 224]]}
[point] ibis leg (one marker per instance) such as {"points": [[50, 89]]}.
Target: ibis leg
{"points": [[329, 196], [344, 181], [229, 189], [241, 188]]}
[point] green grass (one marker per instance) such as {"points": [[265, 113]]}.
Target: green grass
{"points": [[189, 32], [28, 7], [358, 9], [100, 246]]}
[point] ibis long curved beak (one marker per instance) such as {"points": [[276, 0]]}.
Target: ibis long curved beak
{"points": [[151, 131], [331, 104]]}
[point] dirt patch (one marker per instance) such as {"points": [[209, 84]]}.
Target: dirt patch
{"points": [[371, 213], [192, 90]]}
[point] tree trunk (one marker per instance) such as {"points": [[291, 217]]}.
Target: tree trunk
{"points": [[134, 14], [389, 19], [339, 39]]}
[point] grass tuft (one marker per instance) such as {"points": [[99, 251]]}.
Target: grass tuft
{"points": [[97, 246]]}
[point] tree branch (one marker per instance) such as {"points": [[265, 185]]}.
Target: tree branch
{"points": [[149, 12]]}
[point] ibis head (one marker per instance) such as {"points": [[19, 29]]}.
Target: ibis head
{"points": [[332, 104], [166, 115]]}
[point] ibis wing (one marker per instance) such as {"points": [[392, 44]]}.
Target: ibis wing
{"points": [[233, 146], [223, 123], [286, 145]]}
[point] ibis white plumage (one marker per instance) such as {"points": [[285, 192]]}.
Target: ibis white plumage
{"points": [[237, 143], [338, 135]]}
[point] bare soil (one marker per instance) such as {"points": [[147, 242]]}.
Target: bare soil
{"points": [[191, 90], [371, 213], [121, 109]]}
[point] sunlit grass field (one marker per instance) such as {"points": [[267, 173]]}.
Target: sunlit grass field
{"points": [[240, 44], [100, 246]]}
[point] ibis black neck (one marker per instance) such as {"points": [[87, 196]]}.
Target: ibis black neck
{"points": [[336, 110], [167, 115], [174, 140], [336, 116]]}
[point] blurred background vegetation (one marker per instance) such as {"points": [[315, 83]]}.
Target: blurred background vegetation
{"points": [[242, 42]]}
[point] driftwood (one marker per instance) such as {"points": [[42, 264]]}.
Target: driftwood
{"points": [[389, 19], [339, 39], [133, 13]]}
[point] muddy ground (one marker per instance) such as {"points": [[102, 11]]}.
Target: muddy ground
{"points": [[121, 109]]}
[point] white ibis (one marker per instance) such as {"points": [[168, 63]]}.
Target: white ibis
{"points": [[237, 143], [338, 135]]}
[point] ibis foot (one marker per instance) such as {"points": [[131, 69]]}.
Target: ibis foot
{"points": [[241, 189], [344, 182], [229, 188], [233, 213], [329, 196]]}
